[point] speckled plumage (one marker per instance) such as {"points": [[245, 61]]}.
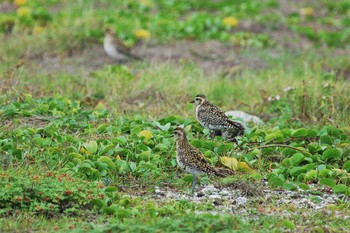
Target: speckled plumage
{"points": [[211, 117], [192, 160]]}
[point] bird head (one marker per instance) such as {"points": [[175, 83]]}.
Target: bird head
{"points": [[108, 31], [199, 99], [179, 133]]}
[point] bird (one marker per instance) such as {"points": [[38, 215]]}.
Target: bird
{"points": [[115, 48], [214, 119], [190, 159]]}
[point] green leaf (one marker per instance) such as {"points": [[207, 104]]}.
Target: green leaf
{"points": [[328, 182], [296, 158], [132, 166], [290, 186], [295, 171], [196, 143], [346, 166], [165, 127], [256, 176], [108, 161], [331, 153], [111, 189], [303, 186], [110, 209], [341, 188], [99, 203], [121, 139], [288, 224], [333, 131], [275, 182], [302, 132], [311, 175], [77, 156], [278, 136], [90, 146], [325, 139], [311, 133], [107, 148]]}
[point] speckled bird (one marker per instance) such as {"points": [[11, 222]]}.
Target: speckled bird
{"points": [[192, 160], [212, 118], [115, 48]]}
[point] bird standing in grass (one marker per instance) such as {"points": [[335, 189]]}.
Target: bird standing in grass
{"points": [[212, 118], [115, 48], [192, 160]]}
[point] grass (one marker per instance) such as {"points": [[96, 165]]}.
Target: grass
{"points": [[86, 141]]}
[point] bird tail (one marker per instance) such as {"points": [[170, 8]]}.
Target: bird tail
{"points": [[223, 172], [135, 57]]}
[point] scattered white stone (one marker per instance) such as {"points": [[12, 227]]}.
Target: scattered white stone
{"points": [[245, 117], [209, 189], [215, 196], [241, 200]]}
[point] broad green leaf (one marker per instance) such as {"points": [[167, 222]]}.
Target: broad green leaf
{"points": [[132, 166], [311, 133], [328, 182], [311, 175], [196, 143], [289, 186], [325, 139], [303, 186], [275, 182], [136, 130], [341, 188], [108, 161], [295, 171], [278, 136], [110, 209], [321, 167], [105, 149], [221, 149], [288, 224], [111, 189], [230, 162], [325, 173], [331, 153], [99, 203], [121, 139], [256, 176], [302, 132], [346, 166], [77, 156], [165, 127], [333, 131], [91, 146], [296, 158]]}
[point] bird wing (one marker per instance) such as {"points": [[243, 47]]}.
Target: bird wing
{"points": [[198, 161], [216, 118], [121, 46], [124, 49]]}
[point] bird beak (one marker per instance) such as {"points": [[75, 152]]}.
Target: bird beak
{"points": [[192, 101]]}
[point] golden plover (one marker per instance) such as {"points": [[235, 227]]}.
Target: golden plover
{"points": [[192, 160], [212, 118], [115, 48]]}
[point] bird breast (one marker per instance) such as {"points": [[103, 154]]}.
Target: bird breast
{"points": [[110, 48]]}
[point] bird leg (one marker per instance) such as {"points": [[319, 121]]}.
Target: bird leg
{"points": [[212, 134], [194, 181]]}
